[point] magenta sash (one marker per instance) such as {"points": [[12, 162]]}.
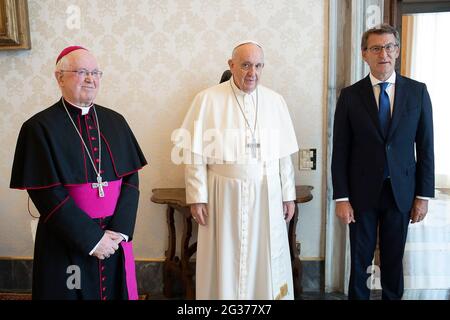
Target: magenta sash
{"points": [[130, 270], [87, 199]]}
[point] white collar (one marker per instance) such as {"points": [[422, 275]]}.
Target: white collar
{"points": [[84, 110], [376, 81]]}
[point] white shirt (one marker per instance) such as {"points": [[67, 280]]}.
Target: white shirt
{"points": [[390, 89]]}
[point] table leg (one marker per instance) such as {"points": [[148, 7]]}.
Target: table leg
{"points": [[186, 252], [171, 262], [295, 259]]}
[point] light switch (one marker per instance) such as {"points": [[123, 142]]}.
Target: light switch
{"points": [[307, 159]]}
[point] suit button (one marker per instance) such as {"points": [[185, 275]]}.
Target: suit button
{"points": [[388, 147]]}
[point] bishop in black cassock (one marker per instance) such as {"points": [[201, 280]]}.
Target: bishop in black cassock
{"points": [[79, 163]]}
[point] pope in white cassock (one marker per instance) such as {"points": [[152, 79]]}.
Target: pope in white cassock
{"points": [[237, 138]]}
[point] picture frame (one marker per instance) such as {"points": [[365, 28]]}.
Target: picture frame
{"points": [[14, 25]]}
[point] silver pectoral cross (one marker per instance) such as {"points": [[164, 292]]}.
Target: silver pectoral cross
{"points": [[100, 186], [253, 145]]}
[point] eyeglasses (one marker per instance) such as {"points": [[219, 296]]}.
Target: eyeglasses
{"points": [[389, 48], [247, 66], [83, 73]]}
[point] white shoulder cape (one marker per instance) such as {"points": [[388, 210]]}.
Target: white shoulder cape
{"points": [[214, 127]]}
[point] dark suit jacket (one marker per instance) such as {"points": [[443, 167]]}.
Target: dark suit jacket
{"points": [[360, 150]]}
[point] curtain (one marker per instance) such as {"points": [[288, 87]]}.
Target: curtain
{"points": [[427, 251]]}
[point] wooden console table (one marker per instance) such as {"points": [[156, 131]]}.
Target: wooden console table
{"points": [[178, 268]]}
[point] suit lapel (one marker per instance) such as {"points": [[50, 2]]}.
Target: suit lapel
{"points": [[399, 104], [370, 103]]}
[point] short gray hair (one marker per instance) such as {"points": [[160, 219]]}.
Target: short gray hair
{"points": [[380, 29]]}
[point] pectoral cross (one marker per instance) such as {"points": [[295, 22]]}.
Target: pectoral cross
{"points": [[100, 186], [253, 145]]}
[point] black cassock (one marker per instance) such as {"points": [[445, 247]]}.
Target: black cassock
{"points": [[49, 158]]}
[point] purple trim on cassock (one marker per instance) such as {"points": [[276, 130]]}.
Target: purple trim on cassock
{"points": [[87, 199]]}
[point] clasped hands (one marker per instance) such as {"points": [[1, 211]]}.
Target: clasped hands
{"points": [[108, 244]]}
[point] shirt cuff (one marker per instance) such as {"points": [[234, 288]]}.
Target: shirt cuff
{"points": [[287, 177], [341, 199], [93, 250], [423, 198], [196, 180], [125, 237]]}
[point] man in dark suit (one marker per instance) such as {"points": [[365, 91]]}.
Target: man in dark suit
{"points": [[382, 163]]}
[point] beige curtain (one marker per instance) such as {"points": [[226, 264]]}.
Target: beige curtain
{"points": [[427, 252]]}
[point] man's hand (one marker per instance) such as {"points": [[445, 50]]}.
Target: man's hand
{"points": [[116, 236], [419, 210], [344, 211], [288, 210], [199, 213], [107, 246]]}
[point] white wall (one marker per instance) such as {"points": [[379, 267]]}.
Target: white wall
{"points": [[155, 56]]}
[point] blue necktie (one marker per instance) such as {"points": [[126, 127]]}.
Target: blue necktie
{"points": [[384, 114], [384, 108]]}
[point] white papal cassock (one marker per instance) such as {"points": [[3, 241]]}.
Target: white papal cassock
{"points": [[243, 251]]}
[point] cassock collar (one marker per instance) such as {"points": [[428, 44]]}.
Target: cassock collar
{"points": [[239, 92], [82, 110]]}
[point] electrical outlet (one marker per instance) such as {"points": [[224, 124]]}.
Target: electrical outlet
{"points": [[307, 159]]}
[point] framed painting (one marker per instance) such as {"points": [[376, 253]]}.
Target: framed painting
{"points": [[14, 25]]}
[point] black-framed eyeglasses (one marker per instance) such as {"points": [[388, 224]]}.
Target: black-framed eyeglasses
{"points": [[83, 73], [389, 48]]}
